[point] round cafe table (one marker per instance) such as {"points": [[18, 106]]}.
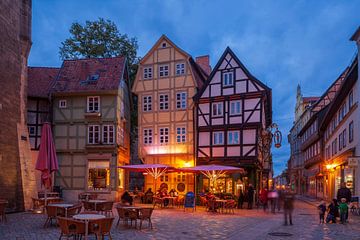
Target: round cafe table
{"points": [[61, 205], [87, 218], [95, 201]]}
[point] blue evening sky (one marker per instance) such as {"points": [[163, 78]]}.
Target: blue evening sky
{"points": [[282, 43]]}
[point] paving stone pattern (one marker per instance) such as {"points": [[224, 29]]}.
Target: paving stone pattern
{"points": [[177, 224]]}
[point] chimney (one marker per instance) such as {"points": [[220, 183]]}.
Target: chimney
{"points": [[204, 63]]}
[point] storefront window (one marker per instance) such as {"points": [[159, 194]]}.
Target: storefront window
{"points": [[349, 179], [98, 175]]}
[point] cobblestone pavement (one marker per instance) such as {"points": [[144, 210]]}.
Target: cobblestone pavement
{"points": [[177, 224]]}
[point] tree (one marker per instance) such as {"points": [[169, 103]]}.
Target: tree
{"points": [[100, 38]]}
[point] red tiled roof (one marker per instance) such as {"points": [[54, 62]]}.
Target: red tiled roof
{"points": [[76, 75], [40, 79]]}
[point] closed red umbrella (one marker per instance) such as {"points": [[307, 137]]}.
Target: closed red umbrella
{"points": [[47, 160]]}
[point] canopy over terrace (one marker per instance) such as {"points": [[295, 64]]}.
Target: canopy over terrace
{"points": [[213, 172], [154, 170]]}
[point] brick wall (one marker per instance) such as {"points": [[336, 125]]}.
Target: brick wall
{"points": [[16, 174]]}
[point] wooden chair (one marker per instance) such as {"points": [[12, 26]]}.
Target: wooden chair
{"points": [[132, 216], [52, 214], [179, 201], [71, 228], [106, 208], [101, 227], [3, 204], [122, 213], [89, 206], [145, 214], [158, 201], [203, 201], [229, 206], [76, 209], [64, 230]]}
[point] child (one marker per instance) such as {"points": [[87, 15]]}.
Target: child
{"points": [[322, 209], [343, 210], [333, 212]]}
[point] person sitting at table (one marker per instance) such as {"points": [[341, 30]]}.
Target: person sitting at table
{"points": [[136, 191], [173, 193], [126, 198], [164, 193], [147, 197]]}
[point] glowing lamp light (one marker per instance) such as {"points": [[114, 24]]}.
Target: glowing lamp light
{"points": [[187, 164], [145, 173], [328, 166]]}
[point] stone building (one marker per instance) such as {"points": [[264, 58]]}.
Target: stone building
{"points": [[17, 178], [91, 126]]}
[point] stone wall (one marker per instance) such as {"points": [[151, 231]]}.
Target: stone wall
{"points": [[17, 180]]}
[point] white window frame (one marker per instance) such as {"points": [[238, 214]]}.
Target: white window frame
{"points": [[219, 109], [217, 138], [148, 72], [147, 136], [91, 104], [181, 100], [164, 70], [180, 68], [231, 137], [147, 103], [92, 130], [163, 101], [180, 134], [164, 135], [62, 103], [235, 107], [227, 81], [107, 131]]}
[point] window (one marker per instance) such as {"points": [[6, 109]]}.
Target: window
{"points": [[164, 135], [93, 104], [181, 100], [340, 141], [217, 109], [31, 130], [98, 175], [351, 131], [180, 135], [180, 68], [164, 101], [351, 99], [218, 138], [228, 78], [163, 70], [233, 137], [344, 138], [62, 103], [342, 112], [148, 136], [235, 107], [148, 72], [93, 134], [108, 134], [147, 103]]}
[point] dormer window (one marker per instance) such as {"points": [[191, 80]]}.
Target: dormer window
{"points": [[163, 70], [93, 104], [228, 79], [148, 72]]}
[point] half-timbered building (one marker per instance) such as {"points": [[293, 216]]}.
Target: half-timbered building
{"points": [[231, 110], [166, 81], [91, 125]]}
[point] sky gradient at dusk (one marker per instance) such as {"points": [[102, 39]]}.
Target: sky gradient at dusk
{"points": [[282, 43]]}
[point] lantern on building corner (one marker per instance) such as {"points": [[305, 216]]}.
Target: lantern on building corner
{"points": [[277, 138]]}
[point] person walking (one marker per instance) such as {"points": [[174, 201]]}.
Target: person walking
{"points": [[343, 210], [322, 210], [264, 198], [241, 199], [344, 192], [288, 206], [250, 196]]}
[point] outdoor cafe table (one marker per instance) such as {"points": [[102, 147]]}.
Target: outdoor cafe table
{"points": [[222, 203], [171, 199], [87, 218], [96, 201], [61, 205]]}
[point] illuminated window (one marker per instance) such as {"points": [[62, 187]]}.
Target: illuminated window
{"points": [[228, 79], [108, 134], [93, 134], [163, 70], [99, 175], [233, 137], [217, 109], [180, 68], [164, 101], [235, 107], [147, 103], [148, 72], [164, 135], [148, 136], [218, 138], [93, 104], [180, 135], [181, 100]]}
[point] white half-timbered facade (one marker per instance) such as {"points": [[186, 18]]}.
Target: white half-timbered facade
{"points": [[231, 109]]}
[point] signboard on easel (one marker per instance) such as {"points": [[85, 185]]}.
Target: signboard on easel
{"points": [[189, 201]]}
